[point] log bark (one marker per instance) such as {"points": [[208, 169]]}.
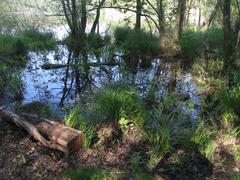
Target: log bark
{"points": [[50, 133]]}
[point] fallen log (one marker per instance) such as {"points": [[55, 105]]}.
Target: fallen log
{"points": [[51, 134], [59, 66]]}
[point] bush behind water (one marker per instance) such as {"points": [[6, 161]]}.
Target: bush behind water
{"points": [[137, 43]]}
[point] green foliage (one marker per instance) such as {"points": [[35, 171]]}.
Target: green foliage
{"points": [[203, 136], [213, 37], [15, 46], [166, 128], [11, 45], [135, 162], [230, 99], [8, 81], [38, 41], [191, 44], [118, 103], [79, 119], [97, 41], [137, 43], [88, 173]]}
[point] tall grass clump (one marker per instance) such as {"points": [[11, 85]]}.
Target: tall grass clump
{"points": [[8, 80], [192, 44], [165, 129], [118, 103], [12, 46], [37, 41], [78, 118], [204, 136], [88, 173], [230, 99], [213, 38], [137, 43], [114, 106]]}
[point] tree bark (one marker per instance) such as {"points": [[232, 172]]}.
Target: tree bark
{"points": [[179, 20], [83, 15], [228, 50], [138, 14], [96, 20], [214, 13]]}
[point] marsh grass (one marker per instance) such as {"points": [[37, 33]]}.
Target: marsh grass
{"points": [[88, 173], [8, 81], [11, 45], [137, 45], [29, 40], [118, 103], [194, 43], [230, 99], [79, 119], [113, 105], [204, 136], [35, 40]]}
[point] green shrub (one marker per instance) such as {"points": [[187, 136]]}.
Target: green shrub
{"points": [[137, 43], [96, 40], [88, 173], [213, 37], [11, 45], [78, 118], [203, 136], [8, 80], [230, 99], [36, 40], [192, 44], [118, 103]]}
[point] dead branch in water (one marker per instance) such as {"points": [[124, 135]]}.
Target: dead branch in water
{"points": [[59, 66]]}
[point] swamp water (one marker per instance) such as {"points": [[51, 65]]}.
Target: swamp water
{"points": [[62, 88]]}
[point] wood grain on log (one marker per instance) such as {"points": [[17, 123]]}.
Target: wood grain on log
{"points": [[51, 134]]}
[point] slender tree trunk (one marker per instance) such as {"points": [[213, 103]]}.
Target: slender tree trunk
{"points": [[199, 15], [96, 21], [83, 15], [228, 60], [161, 16], [179, 19], [138, 15], [188, 13], [213, 14]]}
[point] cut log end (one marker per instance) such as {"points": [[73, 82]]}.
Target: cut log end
{"points": [[50, 133]]}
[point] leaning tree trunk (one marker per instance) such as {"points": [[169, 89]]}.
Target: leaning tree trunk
{"points": [[96, 20], [228, 50], [213, 14], [179, 19]]}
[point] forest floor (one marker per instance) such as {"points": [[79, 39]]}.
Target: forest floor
{"points": [[21, 157]]}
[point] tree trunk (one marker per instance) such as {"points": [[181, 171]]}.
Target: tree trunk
{"points": [[199, 15], [96, 20], [161, 17], [83, 15], [214, 13], [188, 12], [179, 20], [138, 15], [228, 60]]}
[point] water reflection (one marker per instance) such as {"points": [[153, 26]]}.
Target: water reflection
{"points": [[66, 86]]}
